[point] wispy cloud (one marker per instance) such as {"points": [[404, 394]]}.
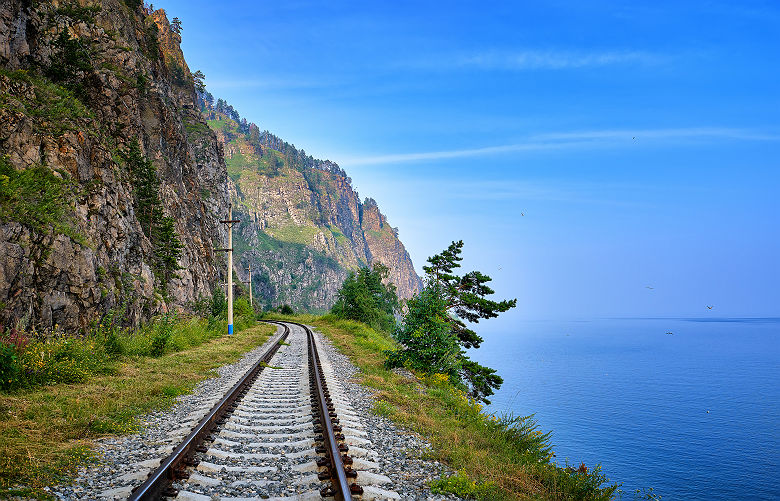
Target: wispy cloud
{"points": [[534, 59], [673, 133], [286, 83], [571, 140], [552, 59]]}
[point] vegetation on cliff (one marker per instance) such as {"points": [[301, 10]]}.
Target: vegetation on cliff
{"points": [[158, 228], [292, 204], [38, 199]]}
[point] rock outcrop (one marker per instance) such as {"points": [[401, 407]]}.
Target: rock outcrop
{"points": [[126, 67]]}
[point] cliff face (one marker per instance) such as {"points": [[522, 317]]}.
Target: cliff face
{"points": [[303, 226], [80, 83]]}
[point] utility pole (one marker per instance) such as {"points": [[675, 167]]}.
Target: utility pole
{"points": [[230, 222], [250, 285]]}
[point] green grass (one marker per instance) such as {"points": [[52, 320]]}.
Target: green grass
{"points": [[498, 458], [38, 199], [340, 238], [54, 109], [236, 164], [295, 234], [46, 432], [196, 128], [220, 124]]}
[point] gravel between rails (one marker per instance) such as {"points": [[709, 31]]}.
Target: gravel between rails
{"points": [[125, 461]]}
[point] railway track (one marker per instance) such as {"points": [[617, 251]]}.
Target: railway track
{"points": [[283, 432]]}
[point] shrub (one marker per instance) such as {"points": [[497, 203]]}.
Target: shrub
{"points": [[63, 360], [242, 307], [36, 198], [9, 366], [162, 334], [218, 302], [286, 309], [108, 331], [463, 487], [366, 298]]}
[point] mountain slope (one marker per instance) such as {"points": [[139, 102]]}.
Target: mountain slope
{"points": [[303, 226]]}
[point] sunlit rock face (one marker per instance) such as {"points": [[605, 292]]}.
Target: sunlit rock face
{"points": [[133, 86], [303, 225]]}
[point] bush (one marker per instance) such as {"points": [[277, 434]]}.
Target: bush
{"points": [[108, 331], [286, 310], [242, 307], [218, 302], [62, 360], [9, 366], [463, 487], [162, 334], [365, 297], [36, 198]]}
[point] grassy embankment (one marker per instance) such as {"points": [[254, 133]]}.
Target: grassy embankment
{"points": [[71, 391], [497, 458]]}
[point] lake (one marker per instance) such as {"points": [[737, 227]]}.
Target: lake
{"points": [[690, 407]]}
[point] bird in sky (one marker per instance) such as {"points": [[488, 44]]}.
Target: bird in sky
{"points": [[648, 287], [522, 213], [709, 307], [634, 138]]}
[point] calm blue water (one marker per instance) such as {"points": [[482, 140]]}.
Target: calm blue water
{"points": [[625, 394]]}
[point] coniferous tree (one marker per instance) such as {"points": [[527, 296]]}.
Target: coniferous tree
{"points": [[160, 229], [449, 300], [197, 79]]}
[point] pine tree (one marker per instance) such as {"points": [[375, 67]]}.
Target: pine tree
{"points": [[447, 302], [198, 77], [160, 229]]}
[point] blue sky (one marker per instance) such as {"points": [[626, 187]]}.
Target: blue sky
{"points": [[584, 151]]}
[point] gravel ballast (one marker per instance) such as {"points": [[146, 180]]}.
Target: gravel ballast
{"points": [[124, 462]]}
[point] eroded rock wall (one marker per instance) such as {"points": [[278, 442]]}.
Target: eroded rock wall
{"points": [[131, 91]]}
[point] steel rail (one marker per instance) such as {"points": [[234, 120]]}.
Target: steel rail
{"points": [[160, 479], [337, 471]]}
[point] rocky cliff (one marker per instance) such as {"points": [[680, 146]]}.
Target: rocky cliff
{"points": [[303, 225], [97, 97]]}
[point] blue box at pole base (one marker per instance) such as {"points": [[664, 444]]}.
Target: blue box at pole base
{"points": [[230, 329]]}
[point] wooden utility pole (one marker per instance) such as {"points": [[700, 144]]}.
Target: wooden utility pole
{"points": [[230, 222], [250, 285]]}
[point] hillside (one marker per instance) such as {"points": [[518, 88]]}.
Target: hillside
{"points": [[303, 225]]}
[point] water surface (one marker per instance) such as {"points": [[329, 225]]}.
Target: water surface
{"points": [[689, 407]]}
